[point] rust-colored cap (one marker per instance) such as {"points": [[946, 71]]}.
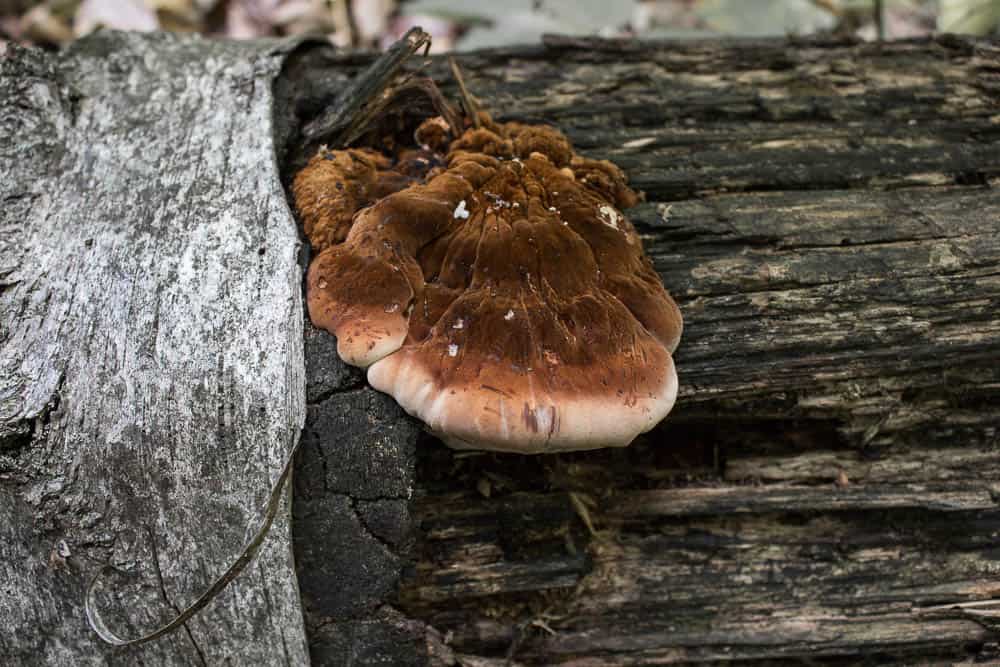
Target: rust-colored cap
{"points": [[331, 188], [506, 302]]}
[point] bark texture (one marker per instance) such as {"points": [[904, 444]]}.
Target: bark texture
{"points": [[825, 213], [827, 216], [151, 349]]}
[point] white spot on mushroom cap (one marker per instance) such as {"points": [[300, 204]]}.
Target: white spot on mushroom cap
{"points": [[459, 324], [609, 216], [452, 350], [460, 211], [509, 316]]}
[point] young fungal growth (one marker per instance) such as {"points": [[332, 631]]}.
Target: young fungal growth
{"points": [[500, 296], [337, 183]]}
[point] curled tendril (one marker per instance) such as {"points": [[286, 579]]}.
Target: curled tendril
{"points": [[97, 623]]}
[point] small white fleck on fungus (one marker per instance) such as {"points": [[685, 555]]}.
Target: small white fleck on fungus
{"points": [[609, 216]]}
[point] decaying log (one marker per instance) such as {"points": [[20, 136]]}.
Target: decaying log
{"points": [[824, 212], [827, 217]]}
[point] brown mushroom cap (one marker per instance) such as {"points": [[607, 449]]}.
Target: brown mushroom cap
{"points": [[506, 301], [330, 189]]}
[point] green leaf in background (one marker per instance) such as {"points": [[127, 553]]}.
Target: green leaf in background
{"points": [[764, 18], [975, 17]]}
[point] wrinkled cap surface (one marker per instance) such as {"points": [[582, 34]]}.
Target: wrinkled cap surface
{"points": [[502, 297]]}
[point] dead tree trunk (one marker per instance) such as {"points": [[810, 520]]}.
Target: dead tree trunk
{"points": [[151, 347], [825, 213]]}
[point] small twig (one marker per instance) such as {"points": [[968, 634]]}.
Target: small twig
{"points": [[879, 20], [367, 86], [959, 606], [579, 503], [97, 623], [394, 99], [984, 612], [468, 101], [352, 24]]}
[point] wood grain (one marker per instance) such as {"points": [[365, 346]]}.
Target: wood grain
{"points": [[151, 352], [826, 214]]}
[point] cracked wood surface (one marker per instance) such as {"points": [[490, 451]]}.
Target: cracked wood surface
{"points": [[827, 217], [151, 349], [353, 483], [824, 213]]}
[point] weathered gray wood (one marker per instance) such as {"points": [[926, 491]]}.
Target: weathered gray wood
{"points": [[828, 473], [151, 348], [827, 216]]}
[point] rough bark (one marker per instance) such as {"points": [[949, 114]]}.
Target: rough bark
{"points": [[828, 218], [151, 348], [825, 214]]}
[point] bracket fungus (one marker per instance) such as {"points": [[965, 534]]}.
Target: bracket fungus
{"points": [[492, 286]]}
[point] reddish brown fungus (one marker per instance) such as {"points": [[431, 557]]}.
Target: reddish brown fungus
{"points": [[495, 289]]}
